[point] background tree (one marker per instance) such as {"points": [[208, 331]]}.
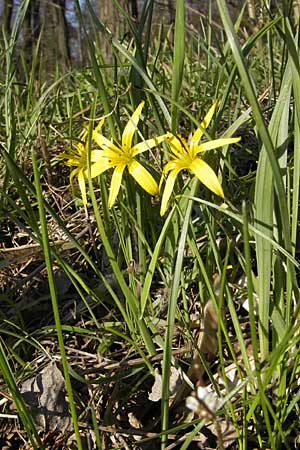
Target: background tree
{"points": [[31, 29], [7, 15], [54, 44]]}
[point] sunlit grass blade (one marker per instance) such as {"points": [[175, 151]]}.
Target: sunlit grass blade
{"points": [[132, 60], [98, 74], [172, 304], [129, 295], [178, 59], [250, 289], [264, 212], [292, 43], [53, 295], [248, 84], [25, 416], [154, 261], [264, 192]]}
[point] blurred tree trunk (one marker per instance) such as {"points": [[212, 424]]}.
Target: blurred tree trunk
{"points": [[134, 9], [115, 20], [296, 7], [7, 15], [111, 16], [31, 29], [54, 46]]}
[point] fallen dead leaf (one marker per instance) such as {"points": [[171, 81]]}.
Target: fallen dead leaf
{"points": [[176, 380], [45, 396]]}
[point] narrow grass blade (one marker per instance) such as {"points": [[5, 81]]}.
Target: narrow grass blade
{"points": [[132, 59], [178, 60], [129, 295], [153, 263], [258, 116], [172, 304], [264, 190], [25, 416], [53, 295]]}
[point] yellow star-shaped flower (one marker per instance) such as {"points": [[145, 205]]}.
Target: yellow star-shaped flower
{"points": [[78, 157], [124, 155], [185, 156]]}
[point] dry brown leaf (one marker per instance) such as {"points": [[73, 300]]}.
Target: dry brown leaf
{"points": [[135, 424], [207, 345], [175, 381], [45, 396], [207, 341]]}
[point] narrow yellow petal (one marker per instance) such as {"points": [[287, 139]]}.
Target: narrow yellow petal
{"points": [[104, 143], [84, 133], [99, 126], [147, 145], [143, 177], [177, 145], [131, 127], [204, 124], [96, 155], [215, 143], [115, 184], [168, 190], [73, 162], [83, 137], [81, 182], [207, 176], [111, 154], [175, 164], [72, 175], [99, 167]]}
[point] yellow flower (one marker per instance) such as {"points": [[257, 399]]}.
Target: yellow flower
{"points": [[123, 155], [78, 157], [185, 156]]}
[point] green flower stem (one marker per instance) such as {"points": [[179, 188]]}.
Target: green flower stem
{"points": [[130, 298]]}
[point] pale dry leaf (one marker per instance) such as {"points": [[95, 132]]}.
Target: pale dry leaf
{"points": [[227, 429], [241, 295], [45, 396], [135, 424], [207, 343], [174, 383], [155, 394], [209, 339]]}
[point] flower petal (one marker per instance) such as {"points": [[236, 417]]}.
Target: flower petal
{"points": [[99, 167], [104, 143], [177, 145], [115, 184], [131, 127], [207, 176], [175, 164], [111, 154], [215, 143], [72, 175], [143, 177], [99, 126], [81, 182], [147, 145], [204, 124], [168, 190], [73, 162], [96, 155]]}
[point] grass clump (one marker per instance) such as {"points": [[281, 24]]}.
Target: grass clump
{"points": [[164, 309]]}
